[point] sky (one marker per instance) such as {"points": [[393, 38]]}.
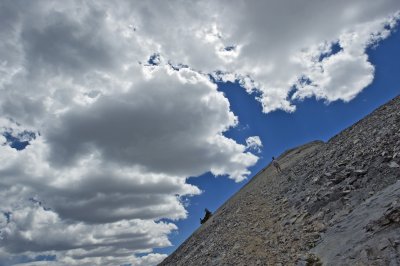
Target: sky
{"points": [[120, 122]]}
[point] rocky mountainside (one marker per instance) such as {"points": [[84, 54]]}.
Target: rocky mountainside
{"points": [[336, 203]]}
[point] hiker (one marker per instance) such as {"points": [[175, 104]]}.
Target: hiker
{"points": [[207, 216], [277, 165]]}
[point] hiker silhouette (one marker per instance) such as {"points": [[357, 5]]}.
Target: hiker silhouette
{"points": [[207, 216]]}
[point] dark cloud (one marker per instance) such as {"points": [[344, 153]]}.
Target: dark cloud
{"points": [[63, 44]]}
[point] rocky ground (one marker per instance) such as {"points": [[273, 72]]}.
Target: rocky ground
{"points": [[336, 203]]}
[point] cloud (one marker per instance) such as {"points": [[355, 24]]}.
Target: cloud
{"points": [[254, 143], [329, 78], [114, 139], [116, 165], [270, 50], [37, 230], [156, 130], [118, 107]]}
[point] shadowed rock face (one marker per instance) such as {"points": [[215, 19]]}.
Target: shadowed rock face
{"points": [[336, 203]]}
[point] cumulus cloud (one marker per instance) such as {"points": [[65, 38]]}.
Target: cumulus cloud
{"points": [[254, 143], [156, 130], [328, 78], [111, 140], [117, 104], [35, 229], [116, 165], [270, 45]]}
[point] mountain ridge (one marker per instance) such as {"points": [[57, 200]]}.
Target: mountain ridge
{"points": [[336, 203]]}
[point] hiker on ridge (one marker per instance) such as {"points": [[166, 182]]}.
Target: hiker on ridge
{"points": [[277, 165], [207, 216]]}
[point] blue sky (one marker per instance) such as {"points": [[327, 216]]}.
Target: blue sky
{"points": [[120, 122], [279, 131]]}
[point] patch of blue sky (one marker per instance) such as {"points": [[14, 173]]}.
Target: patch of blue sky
{"points": [[19, 141], [154, 59], [334, 49]]}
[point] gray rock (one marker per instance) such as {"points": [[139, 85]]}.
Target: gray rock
{"points": [[360, 172]]}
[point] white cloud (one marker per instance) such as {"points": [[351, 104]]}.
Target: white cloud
{"points": [[269, 37], [116, 137], [254, 143], [38, 230], [330, 77]]}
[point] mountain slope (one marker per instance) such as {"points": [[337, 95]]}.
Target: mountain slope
{"points": [[337, 203]]}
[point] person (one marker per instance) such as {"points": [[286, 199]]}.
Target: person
{"points": [[277, 165], [207, 216]]}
